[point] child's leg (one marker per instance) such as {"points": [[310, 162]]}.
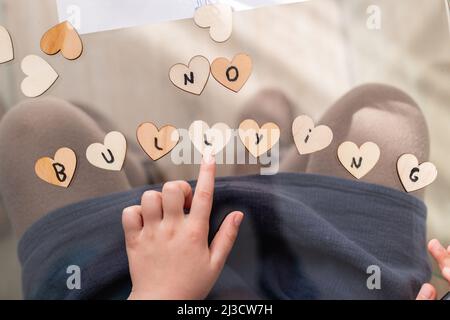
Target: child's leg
{"points": [[38, 128], [377, 113]]}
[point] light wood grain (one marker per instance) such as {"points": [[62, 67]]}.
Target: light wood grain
{"points": [[358, 161], [414, 176], [218, 18], [258, 140], [155, 142], [197, 71], [308, 138], [40, 76], [111, 154], [62, 38], [6, 46], [232, 75], [209, 140], [66, 162]]}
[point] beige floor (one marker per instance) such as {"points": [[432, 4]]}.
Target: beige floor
{"points": [[314, 51]]}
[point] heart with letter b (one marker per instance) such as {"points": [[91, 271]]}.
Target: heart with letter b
{"points": [[58, 171]]}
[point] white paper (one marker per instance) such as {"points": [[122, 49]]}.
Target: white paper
{"points": [[90, 16]]}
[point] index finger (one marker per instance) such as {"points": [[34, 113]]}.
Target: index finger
{"points": [[204, 191]]}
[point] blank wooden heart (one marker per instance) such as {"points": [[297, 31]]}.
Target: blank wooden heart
{"points": [[218, 18], [308, 138], [157, 143], [58, 171], [358, 161], [40, 76], [232, 75], [62, 38], [209, 140], [258, 140], [193, 77], [6, 46], [111, 154], [414, 176]]}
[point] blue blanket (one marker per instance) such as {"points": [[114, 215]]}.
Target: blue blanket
{"points": [[304, 237]]}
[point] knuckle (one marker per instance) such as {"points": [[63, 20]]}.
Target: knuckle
{"points": [[170, 187], [196, 234], [151, 194], [205, 195]]}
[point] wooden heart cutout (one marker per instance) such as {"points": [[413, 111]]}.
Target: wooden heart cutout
{"points": [[258, 140], [111, 154], [40, 76], [193, 77], [232, 75], [6, 46], [358, 161], [414, 176], [209, 140], [308, 138], [218, 18], [157, 143], [62, 38], [58, 171]]}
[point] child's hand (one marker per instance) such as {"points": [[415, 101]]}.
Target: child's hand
{"points": [[168, 252], [442, 256]]}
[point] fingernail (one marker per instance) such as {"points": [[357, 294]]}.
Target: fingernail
{"points": [[426, 292], [446, 273], [208, 158], [238, 220], [436, 245]]}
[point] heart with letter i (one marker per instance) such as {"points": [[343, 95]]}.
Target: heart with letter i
{"points": [[308, 138]]}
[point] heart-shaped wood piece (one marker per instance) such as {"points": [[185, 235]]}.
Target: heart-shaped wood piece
{"points": [[62, 38], [308, 138], [258, 140], [111, 154], [40, 76], [157, 143], [414, 176], [193, 77], [232, 75], [58, 171], [218, 18], [6, 46], [358, 161], [209, 141]]}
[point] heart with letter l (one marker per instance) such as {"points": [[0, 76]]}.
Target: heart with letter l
{"points": [[6, 46], [209, 140], [40, 76], [58, 171], [258, 140], [111, 154], [232, 75], [218, 18], [157, 143], [193, 77], [308, 138], [62, 37], [358, 161], [414, 176]]}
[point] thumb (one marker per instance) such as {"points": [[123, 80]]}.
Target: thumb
{"points": [[427, 292], [224, 240]]}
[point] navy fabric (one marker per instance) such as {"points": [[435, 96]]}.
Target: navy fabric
{"points": [[303, 237]]}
